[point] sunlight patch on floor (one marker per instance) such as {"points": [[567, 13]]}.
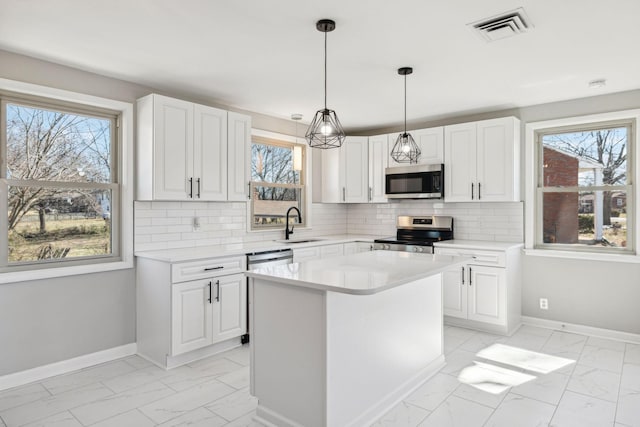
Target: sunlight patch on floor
{"points": [[492, 379], [525, 359]]}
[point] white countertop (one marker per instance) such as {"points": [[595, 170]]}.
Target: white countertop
{"points": [[203, 252], [359, 274], [476, 244]]}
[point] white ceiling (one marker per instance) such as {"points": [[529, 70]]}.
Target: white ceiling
{"points": [[267, 56]]}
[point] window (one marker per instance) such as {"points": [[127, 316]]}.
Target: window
{"points": [[584, 187], [60, 180], [277, 181]]}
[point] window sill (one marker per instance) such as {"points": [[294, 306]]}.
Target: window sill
{"points": [[50, 273], [584, 256]]}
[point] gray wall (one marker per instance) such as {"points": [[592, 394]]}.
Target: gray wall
{"points": [[47, 321]]}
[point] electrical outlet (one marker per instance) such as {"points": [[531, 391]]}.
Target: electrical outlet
{"points": [[544, 304], [196, 223]]}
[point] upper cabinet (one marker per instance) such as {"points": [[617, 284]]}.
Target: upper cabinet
{"points": [[431, 144], [188, 151], [378, 161], [482, 161], [344, 177]]}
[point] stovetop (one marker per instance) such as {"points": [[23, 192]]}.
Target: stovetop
{"points": [[395, 241]]}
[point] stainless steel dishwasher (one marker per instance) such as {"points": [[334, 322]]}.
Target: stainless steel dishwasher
{"points": [[257, 260]]}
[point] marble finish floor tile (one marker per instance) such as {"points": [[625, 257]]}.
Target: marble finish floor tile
{"points": [[457, 412], [21, 395], [630, 377], [602, 358], [137, 362], [133, 418], [482, 397], [234, 405], [545, 388], [245, 421], [199, 417], [606, 343], [481, 341], [457, 361], [521, 410], [62, 383], [52, 405], [135, 379], [595, 382], [632, 353], [564, 343], [432, 393], [576, 410], [402, 415], [628, 411], [237, 379], [122, 402], [182, 402], [63, 419]]}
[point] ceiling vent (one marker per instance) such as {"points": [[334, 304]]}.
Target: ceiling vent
{"points": [[505, 25]]}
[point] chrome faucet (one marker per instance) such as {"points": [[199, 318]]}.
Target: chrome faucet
{"points": [[288, 232]]}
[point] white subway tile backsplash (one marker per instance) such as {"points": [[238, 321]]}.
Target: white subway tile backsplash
{"points": [[164, 225]]}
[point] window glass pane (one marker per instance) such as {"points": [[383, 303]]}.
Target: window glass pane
{"points": [[587, 218], [49, 145], [585, 158], [270, 205], [271, 163], [55, 223]]}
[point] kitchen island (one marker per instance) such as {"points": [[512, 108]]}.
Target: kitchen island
{"points": [[339, 341]]}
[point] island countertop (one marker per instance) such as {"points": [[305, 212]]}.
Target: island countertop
{"points": [[363, 273]]}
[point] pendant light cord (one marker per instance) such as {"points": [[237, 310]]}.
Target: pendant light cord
{"points": [[325, 70], [405, 103]]}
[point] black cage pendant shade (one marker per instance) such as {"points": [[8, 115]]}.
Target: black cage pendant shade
{"points": [[405, 150], [325, 130]]}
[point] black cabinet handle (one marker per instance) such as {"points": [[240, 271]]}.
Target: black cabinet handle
{"points": [[191, 187], [472, 191], [462, 273], [479, 197], [218, 290], [214, 268], [209, 292], [470, 277], [249, 191], [198, 188]]}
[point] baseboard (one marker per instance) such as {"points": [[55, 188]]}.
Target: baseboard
{"points": [[58, 368], [582, 329]]}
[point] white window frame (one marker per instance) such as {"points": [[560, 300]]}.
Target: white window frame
{"points": [[531, 183], [307, 181], [124, 166]]}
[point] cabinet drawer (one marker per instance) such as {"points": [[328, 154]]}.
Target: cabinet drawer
{"points": [[306, 254], [207, 268], [488, 258]]}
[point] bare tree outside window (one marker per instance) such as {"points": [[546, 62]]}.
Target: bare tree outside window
{"points": [[60, 183]]}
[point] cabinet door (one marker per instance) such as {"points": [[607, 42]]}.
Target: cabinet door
{"points": [[229, 307], [191, 316], [454, 292], [487, 294], [210, 153], [356, 175], [239, 153], [306, 254], [431, 144], [331, 187], [378, 158], [173, 148], [496, 160], [460, 162]]}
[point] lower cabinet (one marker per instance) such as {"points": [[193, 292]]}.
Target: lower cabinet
{"points": [[332, 250], [485, 293], [189, 310], [357, 247], [204, 312]]}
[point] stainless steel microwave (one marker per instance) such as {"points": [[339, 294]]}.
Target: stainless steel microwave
{"points": [[415, 182]]}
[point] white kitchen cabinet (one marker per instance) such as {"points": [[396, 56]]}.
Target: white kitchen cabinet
{"points": [[192, 316], [485, 293], [344, 177], [189, 310], [482, 161], [430, 141], [188, 151], [239, 156], [306, 254], [328, 251], [378, 161]]}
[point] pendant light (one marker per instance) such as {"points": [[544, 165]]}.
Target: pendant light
{"points": [[325, 130], [405, 150]]}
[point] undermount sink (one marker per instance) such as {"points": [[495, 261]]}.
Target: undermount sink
{"points": [[292, 241]]}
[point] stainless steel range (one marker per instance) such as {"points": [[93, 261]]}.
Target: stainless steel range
{"points": [[417, 234]]}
